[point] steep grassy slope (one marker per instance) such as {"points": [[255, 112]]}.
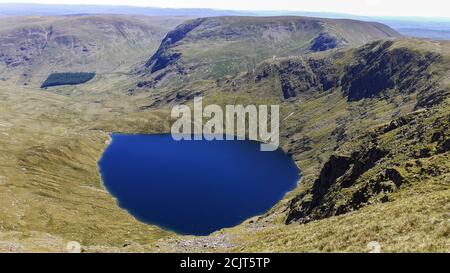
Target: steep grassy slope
{"points": [[50, 189], [33, 47], [375, 166], [389, 184], [374, 158], [215, 47]]}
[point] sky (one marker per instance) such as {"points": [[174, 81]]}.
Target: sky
{"points": [[423, 8]]}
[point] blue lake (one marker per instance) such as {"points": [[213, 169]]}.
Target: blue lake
{"points": [[195, 187]]}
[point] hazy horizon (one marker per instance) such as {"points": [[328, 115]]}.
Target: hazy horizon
{"points": [[368, 8]]}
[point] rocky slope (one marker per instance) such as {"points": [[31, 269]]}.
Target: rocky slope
{"points": [[370, 71], [215, 47], [410, 149], [374, 157], [374, 153], [32, 47], [365, 125]]}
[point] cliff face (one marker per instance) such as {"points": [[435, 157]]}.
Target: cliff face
{"points": [[368, 167], [324, 41], [375, 155], [369, 119], [299, 76], [371, 71], [164, 57], [408, 150], [379, 69]]}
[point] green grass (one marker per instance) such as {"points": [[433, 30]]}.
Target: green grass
{"points": [[229, 45], [51, 191], [41, 45]]}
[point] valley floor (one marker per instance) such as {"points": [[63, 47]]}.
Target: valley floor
{"points": [[51, 192]]}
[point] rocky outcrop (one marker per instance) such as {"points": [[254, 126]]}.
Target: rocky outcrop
{"points": [[375, 70], [165, 56], [179, 97], [216, 47], [23, 46], [368, 168], [33, 47], [324, 41], [444, 146], [296, 77], [380, 68], [326, 72], [300, 76], [338, 173]]}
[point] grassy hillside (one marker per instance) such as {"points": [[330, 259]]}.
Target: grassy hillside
{"points": [[374, 158], [375, 167], [33, 47], [215, 47]]}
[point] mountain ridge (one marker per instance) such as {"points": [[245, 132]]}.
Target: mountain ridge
{"points": [[374, 160], [36, 46], [246, 41], [414, 26]]}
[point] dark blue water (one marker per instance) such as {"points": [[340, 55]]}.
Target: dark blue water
{"points": [[195, 187]]}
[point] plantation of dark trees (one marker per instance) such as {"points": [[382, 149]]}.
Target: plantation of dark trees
{"points": [[56, 79]]}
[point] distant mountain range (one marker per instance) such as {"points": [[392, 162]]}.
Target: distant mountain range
{"points": [[230, 44], [48, 10], [364, 113], [423, 27]]}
